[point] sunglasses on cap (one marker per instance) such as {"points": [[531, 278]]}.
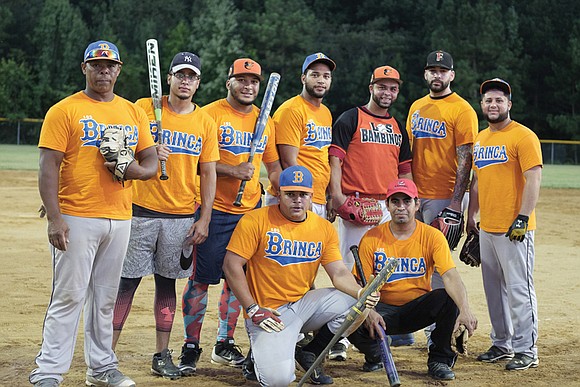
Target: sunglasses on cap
{"points": [[100, 53]]}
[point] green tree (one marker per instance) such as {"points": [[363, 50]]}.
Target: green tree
{"points": [[60, 38], [16, 101]]}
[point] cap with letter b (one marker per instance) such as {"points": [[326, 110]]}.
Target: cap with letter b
{"points": [[101, 49], [496, 84], [185, 60], [245, 66], [296, 178], [439, 58], [317, 57]]}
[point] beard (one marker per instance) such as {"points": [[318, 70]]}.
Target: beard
{"points": [[438, 89], [241, 101], [382, 105], [501, 117], [310, 90]]}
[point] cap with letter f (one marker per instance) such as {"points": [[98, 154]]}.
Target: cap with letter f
{"points": [[245, 66], [296, 178], [441, 59], [317, 57], [103, 50], [185, 60], [405, 186]]}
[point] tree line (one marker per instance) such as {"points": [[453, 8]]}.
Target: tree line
{"points": [[534, 45]]}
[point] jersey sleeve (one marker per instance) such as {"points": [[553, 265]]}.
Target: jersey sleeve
{"points": [[344, 129], [405, 154], [210, 149], [529, 152], [55, 131], [441, 253], [145, 137], [288, 123], [245, 238], [466, 126], [331, 250], [271, 153]]}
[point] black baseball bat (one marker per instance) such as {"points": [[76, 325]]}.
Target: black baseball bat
{"points": [[261, 122], [354, 311], [386, 354]]}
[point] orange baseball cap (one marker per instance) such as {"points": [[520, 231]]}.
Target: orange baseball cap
{"points": [[386, 72], [245, 66]]}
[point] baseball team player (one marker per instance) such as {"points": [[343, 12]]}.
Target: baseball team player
{"points": [[163, 211], [507, 161], [441, 127], [88, 214], [236, 117], [282, 246], [407, 301], [304, 128]]}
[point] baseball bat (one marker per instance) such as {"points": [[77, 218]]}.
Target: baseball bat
{"points": [[386, 354], [156, 93], [353, 312], [261, 122]]}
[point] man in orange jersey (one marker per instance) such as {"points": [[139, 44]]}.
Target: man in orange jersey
{"points": [[507, 160], [282, 247], [304, 128], [441, 126], [235, 117], [88, 214], [407, 301], [164, 212]]}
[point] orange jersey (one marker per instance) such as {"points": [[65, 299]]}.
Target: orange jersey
{"points": [[74, 126], [499, 160], [283, 256], [436, 127], [235, 133], [418, 256], [192, 139], [371, 148], [308, 128]]}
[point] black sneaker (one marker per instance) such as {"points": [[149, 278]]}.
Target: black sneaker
{"points": [[337, 352], [372, 367], [248, 369], [190, 353], [227, 353], [522, 362], [162, 365], [305, 359], [494, 354], [440, 371]]}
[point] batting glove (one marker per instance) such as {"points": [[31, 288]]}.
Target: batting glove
{"points": [[373, 298], [265, 318], [518, 229]]}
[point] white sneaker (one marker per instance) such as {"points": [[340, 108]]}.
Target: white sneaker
{"points": [[338, 350], [110, 378]]}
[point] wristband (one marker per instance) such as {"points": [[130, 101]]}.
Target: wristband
{"points": [[252, 309]]}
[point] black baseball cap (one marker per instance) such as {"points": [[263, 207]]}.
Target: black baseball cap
{"points": [[185, 60], [496, 84], [439, 59]]}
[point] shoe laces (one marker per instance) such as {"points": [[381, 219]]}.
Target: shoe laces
{"points": [[229, 349]]}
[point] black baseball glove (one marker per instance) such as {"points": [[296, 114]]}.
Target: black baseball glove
{"points": [[470, 254], [450, 223]]}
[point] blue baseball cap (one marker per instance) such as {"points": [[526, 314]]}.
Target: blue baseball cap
{"points": [[317, 57], [296, 178], [102, 49]]}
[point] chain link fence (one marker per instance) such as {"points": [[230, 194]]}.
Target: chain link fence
{"points": [[21, 132]]}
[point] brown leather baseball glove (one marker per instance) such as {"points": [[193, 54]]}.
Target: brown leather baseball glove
{"points": [[362, 211]]}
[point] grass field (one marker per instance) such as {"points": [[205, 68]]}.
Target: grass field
{"points": [[25, 157]]}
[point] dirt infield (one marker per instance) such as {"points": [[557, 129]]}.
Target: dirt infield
{"points": [[26, 282]]}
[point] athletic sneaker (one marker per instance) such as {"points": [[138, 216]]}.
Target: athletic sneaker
{"points": [[190, 353], [248, 369], [110, 378], [305, 359], [522, 362], [338, 352], [440, 371], [494, 354], [227, 353], [372, 366], [162, 365], [48, 382], [402, 340]]}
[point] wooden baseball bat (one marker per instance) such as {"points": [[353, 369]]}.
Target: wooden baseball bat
{"points": [[261, 122], [386, 354], [353, 313], [156, 93]]}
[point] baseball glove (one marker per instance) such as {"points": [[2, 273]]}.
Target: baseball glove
{"points": [[361, 211], [459, 339], [450, 223], [114, 149], [470, 251]]}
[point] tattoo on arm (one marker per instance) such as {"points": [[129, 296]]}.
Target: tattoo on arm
{"points": [[464, 157]]}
